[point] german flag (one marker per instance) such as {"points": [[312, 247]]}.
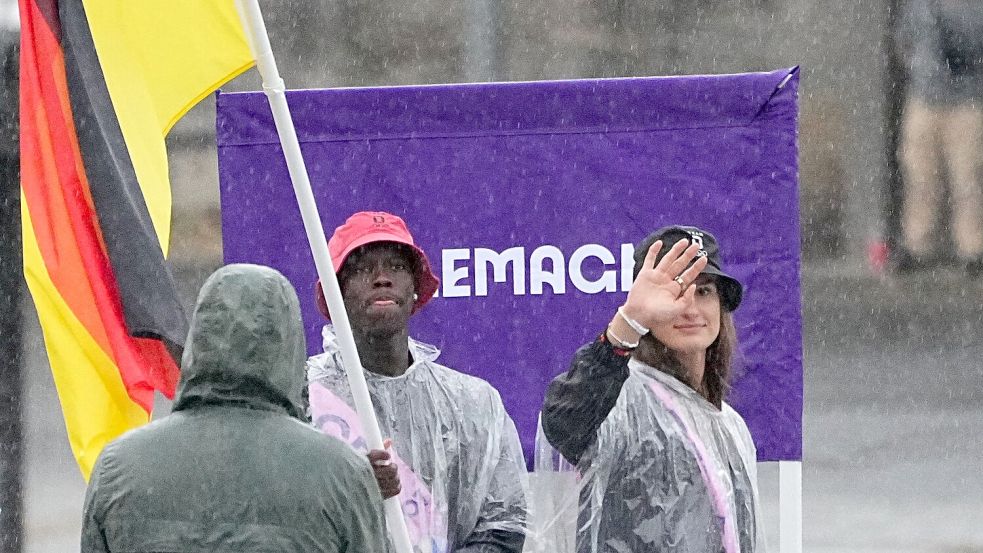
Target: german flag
{"points": [[102, 82]]}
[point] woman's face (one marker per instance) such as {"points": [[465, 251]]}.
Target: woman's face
{"points": [[693, 330]]}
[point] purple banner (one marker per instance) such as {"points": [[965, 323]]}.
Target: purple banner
{"points": [[527, 198]]}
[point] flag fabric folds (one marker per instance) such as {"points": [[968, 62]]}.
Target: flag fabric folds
{"points": [[102, 82]]}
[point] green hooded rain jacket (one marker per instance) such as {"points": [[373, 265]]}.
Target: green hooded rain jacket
{"points": [[235, 467]]}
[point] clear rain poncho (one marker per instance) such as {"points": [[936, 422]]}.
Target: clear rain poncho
{"points": [[665, 470], [461, 467]]}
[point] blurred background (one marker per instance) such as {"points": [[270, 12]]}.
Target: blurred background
{"points": [[893, 372]]}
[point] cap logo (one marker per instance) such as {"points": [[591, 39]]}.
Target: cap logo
{"points": [[697, 238], [378, 219]]}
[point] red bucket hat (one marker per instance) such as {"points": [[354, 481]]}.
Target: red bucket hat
{"points": [[367, 227]]}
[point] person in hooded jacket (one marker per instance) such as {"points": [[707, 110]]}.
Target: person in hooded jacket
{"points": [[235, 466], [665, 464], [461, 473]]}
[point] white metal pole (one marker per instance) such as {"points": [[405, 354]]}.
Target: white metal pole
{"points": [[790, 506], [255, 27]]}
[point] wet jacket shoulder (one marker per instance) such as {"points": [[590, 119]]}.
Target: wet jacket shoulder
{"points": [[579, 400], [231, 479], [235, 467]]}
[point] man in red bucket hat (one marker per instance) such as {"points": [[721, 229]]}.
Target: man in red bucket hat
{"points": [[461, 475], [368, 227]]}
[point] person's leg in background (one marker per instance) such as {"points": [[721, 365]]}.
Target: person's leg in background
{"points": [[921, 167], [962, 142]]}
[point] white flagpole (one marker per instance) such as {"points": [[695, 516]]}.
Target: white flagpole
{"points": [[255, 27]]}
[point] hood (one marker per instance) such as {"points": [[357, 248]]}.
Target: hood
{"points": [[246, 344]]}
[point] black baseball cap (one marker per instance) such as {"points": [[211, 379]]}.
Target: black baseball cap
{"points": [[731, 290]]}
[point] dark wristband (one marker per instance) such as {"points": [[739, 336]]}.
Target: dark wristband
{"points": [[620, 352]]}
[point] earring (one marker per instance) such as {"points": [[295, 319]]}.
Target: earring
{"points": [[416, 297]]}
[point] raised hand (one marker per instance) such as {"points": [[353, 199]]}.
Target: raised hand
{"points": [[664, 290], [385, 471]]}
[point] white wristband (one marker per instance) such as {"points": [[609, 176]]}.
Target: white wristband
{"points": [[622, 344], [635, 325]]}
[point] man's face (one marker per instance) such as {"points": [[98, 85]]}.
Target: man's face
{"points": [[377, 284]]}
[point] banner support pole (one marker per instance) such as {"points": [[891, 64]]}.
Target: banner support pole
{"points": [[790, 506]]}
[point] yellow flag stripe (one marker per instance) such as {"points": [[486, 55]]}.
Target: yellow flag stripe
{"points": [[159, 58], [94, 401]]}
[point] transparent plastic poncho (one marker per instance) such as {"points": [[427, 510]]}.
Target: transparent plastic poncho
{"points": [[667, 471], [460, 462]]}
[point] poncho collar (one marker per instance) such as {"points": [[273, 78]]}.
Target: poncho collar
{"points": [[421, 353]]}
